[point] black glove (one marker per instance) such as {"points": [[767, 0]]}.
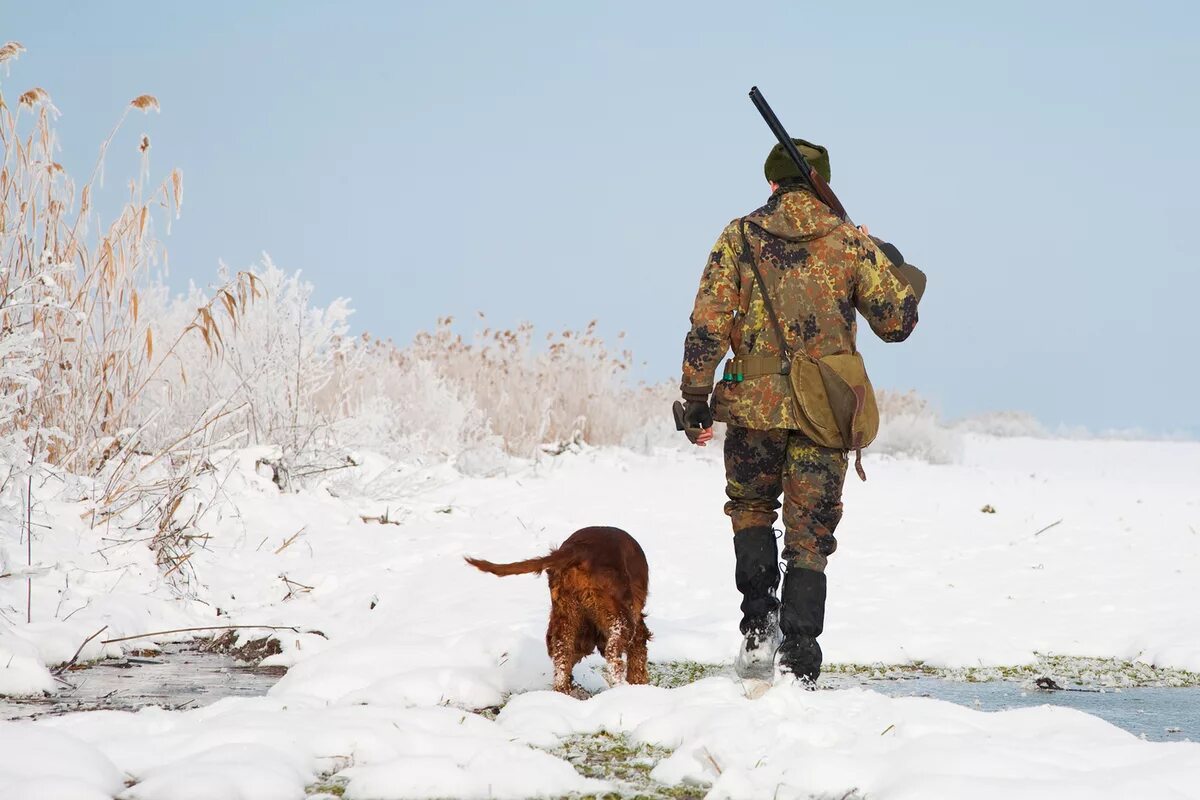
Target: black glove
{"points": [[693, 418], [890, 250]]}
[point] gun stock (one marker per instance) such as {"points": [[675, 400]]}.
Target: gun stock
{"points": [[823, 191]]}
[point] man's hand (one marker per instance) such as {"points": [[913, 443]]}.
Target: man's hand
{"points": [[695, 420]]}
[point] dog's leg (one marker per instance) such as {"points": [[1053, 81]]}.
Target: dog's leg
{"points": [[562, 670], [616, 649], [637, 654], [560, 644]]}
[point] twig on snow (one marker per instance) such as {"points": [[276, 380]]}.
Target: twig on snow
{"points": [[322, 470], [291, 628], [292, 587], [289, 540], [178, 564], [384, 519], [64, 667], [1048, 527]]}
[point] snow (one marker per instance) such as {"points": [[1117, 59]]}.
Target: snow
{"points": [[39, 762], [398, 639], [825, 743]]}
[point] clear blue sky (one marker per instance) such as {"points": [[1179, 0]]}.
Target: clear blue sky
{"points": [[558, 162]]}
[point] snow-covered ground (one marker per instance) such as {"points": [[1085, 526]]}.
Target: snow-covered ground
{"points": [[411, 638]]}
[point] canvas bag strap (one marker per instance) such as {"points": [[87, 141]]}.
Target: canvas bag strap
{"points": [[748, 257]]}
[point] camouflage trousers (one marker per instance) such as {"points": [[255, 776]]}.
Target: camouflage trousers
{"points": [[761, 465]]}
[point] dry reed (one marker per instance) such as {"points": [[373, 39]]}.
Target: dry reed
{"points": [[78, 354], [79, 294]]}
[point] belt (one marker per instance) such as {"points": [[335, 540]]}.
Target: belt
{"points": [[739, 368]]}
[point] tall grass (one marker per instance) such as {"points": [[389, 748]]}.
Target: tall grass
{"points": [[568, 387], [316, 395], [70, 286], [77, 355]]}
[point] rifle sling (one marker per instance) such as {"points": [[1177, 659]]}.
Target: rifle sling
{"points": [[785, 366], [748, 257]]}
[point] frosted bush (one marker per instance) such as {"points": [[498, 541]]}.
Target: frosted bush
{"points": [[278, 378], [1004, 423], [288, 374], [570, 388], [408, 411], [910, 427], [919, 436], [483, 460]]}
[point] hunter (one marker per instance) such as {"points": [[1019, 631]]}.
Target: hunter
{"points": [[818, 273]]}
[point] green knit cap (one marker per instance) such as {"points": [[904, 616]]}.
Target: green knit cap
{"points": [[780, 167]]}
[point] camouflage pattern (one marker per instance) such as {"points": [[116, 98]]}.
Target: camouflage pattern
{"points": [[821, 273], [759, 465]]}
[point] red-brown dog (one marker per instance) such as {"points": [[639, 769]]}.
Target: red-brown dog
{"points": [[598, 584]]}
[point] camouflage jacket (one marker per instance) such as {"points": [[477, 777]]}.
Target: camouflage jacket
{"points": [[819, 271]]}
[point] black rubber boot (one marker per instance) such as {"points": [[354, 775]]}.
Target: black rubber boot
{"points": [[802, 618], [757, 577]]}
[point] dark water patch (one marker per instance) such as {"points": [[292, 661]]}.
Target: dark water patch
{"points": [[176, 676]]}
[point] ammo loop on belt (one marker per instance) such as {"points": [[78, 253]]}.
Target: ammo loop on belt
{"points": [[738, 368]]}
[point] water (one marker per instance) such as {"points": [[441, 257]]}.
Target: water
{"points": [[180, 676], [1153, 713]]}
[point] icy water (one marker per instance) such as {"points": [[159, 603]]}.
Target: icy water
{"points": [[180, 676], [1153, 713]]}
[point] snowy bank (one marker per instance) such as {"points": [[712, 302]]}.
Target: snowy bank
{"points": [[1092, 550], [789, 743]]}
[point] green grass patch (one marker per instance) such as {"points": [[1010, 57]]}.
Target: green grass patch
{"points": [[673, 674], [626, 764], [328, 786]]}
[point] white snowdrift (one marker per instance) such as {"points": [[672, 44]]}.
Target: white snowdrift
{"points": [[920, 575], [791, 743]]}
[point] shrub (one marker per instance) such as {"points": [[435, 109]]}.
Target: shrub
{"points": [[910, 427]]}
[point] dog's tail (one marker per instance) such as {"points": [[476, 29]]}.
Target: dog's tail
{"points": [[555, 559]]}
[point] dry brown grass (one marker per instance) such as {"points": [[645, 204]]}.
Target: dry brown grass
{"points": [[80, 351], [78, 292], [532, 390], [10, 51]]}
